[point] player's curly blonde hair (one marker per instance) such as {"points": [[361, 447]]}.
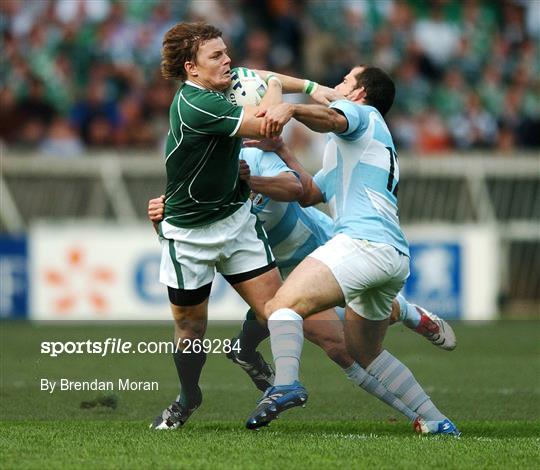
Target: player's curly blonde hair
{"points": [[180, 45]]}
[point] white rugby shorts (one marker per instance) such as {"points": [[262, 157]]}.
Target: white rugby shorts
{"points": [[234, 245], [369, 274]]}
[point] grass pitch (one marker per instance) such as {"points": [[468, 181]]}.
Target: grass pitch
{"points": [[489, 387]]}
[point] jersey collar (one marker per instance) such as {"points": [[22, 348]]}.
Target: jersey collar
{"points": [[195, 85], [190, 83]]}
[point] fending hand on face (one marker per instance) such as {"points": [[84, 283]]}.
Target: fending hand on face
{"points": [[325, 95]]}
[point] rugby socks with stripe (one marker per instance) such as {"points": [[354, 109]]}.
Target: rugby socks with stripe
{"points": [[371, 385], [189, 367], [399, 380], [251, 335], [286, 339], [408, 314]]}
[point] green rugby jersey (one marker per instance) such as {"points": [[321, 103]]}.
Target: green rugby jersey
{"points": [[201, 158]]}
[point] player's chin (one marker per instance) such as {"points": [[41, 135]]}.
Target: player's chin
{"points": [[225, 81]]}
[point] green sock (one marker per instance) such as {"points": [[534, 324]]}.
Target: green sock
{"points": [[189, 367], [252, 334]]}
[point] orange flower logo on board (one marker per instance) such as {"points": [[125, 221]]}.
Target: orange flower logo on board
{"points": [[79, 283]]}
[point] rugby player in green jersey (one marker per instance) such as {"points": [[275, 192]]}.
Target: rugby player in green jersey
{"points": [[208, 225]]}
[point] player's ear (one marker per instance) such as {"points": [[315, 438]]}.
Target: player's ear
{"points": [[358, 94], [191, 68]]}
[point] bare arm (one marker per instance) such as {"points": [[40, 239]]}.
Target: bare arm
{"points": [[283, 187], [252, 122], [321, 94], [318, 118], [310, 194], [290, 84]]}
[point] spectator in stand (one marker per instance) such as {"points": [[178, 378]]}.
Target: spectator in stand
{"points": [[11, 119], [449, 96], [412, 94], [491, 90], [433, 135], [133, 129], [438, 37], [473, 127], [95, 116], [107, 52], [37, 114], [61, 140], [258, 51]]}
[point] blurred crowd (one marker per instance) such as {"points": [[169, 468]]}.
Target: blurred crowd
{"points": [[85, 74]]}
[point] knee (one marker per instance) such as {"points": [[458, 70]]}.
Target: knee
{"points": [[269, 308], [189, 330], [188, 326], [276, 303], [299, 306]]}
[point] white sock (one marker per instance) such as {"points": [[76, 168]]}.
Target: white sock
{"points": [[407, 312], [286, 339], [371, 385], [399, 380], [340, 312]]}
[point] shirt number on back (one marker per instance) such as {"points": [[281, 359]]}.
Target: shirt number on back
{"points": [[390, 183]]}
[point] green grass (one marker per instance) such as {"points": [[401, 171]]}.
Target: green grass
{"points": [[490, 386]]}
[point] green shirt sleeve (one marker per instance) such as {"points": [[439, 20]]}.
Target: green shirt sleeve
{"points": [[210, 113]]}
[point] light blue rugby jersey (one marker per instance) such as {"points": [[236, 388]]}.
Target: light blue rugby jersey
{"points": [[360, 177], [293, 231]]}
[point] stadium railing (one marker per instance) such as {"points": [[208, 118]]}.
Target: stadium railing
{"points": [[502, 193]]}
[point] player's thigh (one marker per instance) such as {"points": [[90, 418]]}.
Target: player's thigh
{"points": [[188, 257], [247, 262], [376, 303], [362, 269], [247, 249], [309, 289]]}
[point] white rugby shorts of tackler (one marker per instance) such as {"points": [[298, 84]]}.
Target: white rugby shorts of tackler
{"points": [[370, 274]]}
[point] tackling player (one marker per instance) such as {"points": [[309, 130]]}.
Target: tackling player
{"points": [[364, 265]]}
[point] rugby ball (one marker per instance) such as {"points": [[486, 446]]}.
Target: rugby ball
{"points": [[247, 87]]}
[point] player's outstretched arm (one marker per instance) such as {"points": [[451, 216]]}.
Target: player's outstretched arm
{"points": [[283, 187], [321, 94], [310, 194], [320, 118]]}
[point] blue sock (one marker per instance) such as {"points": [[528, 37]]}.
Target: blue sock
{"points": [[407, 312]]}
